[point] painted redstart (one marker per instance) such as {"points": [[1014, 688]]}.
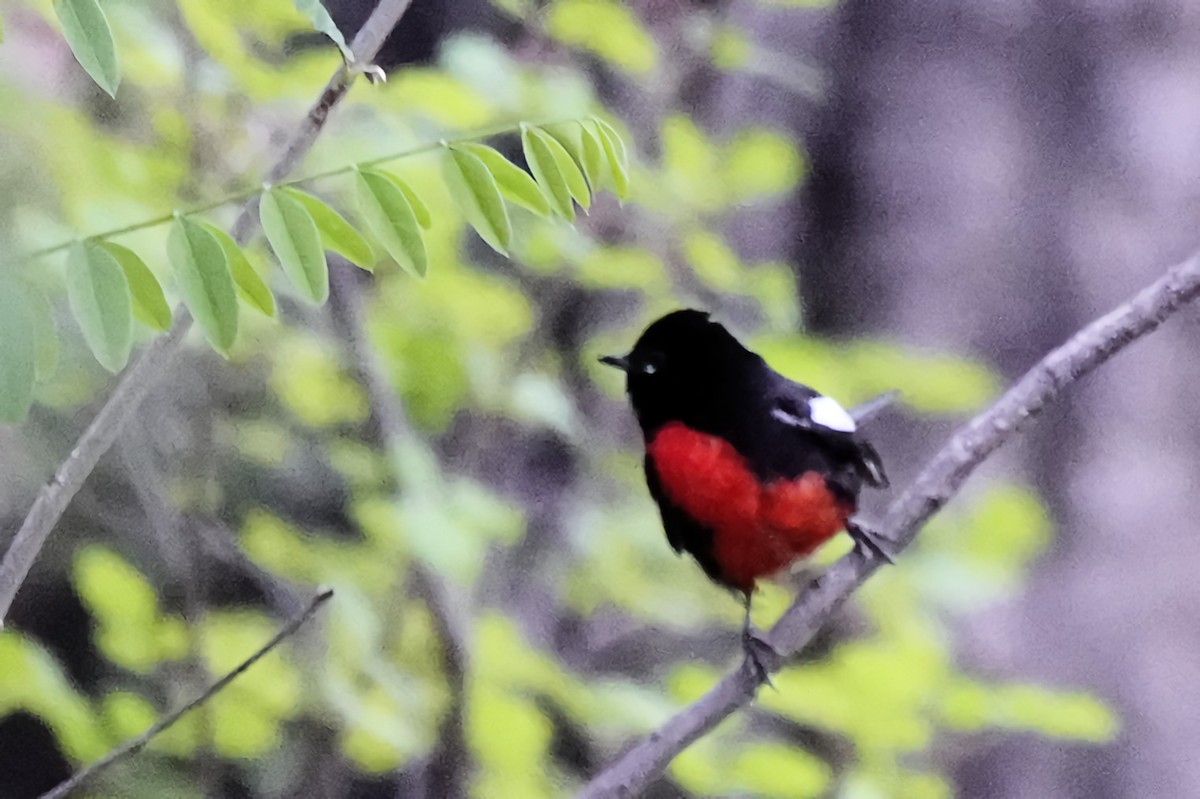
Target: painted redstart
{"points": [[750, 470]]}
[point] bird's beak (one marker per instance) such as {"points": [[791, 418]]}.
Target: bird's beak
{"points": [[616, 361]]}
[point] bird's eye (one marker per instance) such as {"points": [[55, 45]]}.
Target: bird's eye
{"points": [[648, 363]]}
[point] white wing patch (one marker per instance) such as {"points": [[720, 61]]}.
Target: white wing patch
{"points": [[826, 412]]}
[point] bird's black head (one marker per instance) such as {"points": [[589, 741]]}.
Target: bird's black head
{"points": [[685, 367]]}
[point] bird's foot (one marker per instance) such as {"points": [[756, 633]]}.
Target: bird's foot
{"points": [[870, 541], [761, 657]]}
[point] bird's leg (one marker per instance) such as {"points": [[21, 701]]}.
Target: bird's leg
{"points": [[868, 540], [760, 656]]}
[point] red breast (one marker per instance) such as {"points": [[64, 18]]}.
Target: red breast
{"points": [[758, 529]]}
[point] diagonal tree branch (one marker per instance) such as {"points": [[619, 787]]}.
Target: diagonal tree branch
{"points": [[937, 483], [135, 745], [53, 499]]}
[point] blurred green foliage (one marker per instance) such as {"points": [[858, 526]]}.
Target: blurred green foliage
{"points": [[609, 29], [469, 342]]}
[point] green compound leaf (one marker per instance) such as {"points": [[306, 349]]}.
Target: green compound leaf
{"points": [[91, 41], [205, 281], [616, 155], [385, 206], [149, 303], [336, 233], [250, 285], [515, 183], [100, 300], [474, 189], [17, 354], [294, 237]]}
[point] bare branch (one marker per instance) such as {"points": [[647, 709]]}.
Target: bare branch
{"points": [[137, 744], [54, 497], [151, 365], [940, 480]]}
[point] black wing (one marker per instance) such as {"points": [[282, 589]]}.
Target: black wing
{"points": [[812, 432]]}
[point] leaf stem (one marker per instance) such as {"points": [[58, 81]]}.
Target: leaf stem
{"points": [[481, 133]]}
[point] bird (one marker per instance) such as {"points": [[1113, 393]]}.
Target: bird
{"points": [[750, 470]]}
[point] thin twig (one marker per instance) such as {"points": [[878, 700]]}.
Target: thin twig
{"points": [[940, 480], [137, 744], [152, 364]]}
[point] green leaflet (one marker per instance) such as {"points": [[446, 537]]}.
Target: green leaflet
{"points": [[390, 216], [576, 183], [250, 285], [336, 233], [87, 33], [45, 335], [585, 150], [149, 304], [322, 22], [555, 172], [202, 272], [17, 353], [545, 172], [515, 183], [100, 299], [418, 206], [617, 156], [474, 189], [595, 161], [294, 237]]}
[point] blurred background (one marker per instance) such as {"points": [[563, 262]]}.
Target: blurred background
{"points": [[876, 195]]}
